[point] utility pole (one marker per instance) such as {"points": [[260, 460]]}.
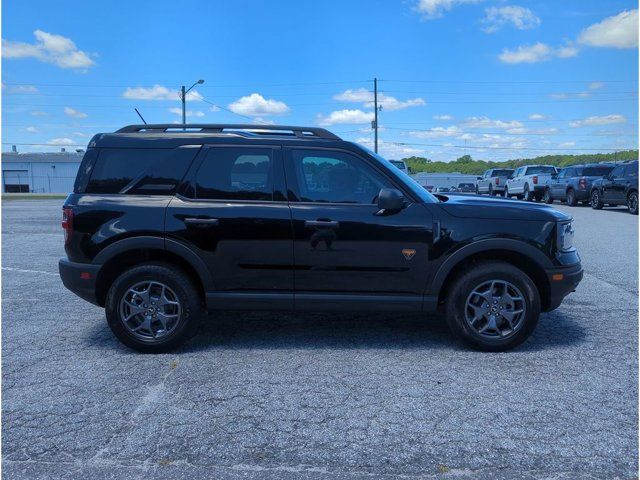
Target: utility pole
{"points": [[375, 113], [183, 97]]}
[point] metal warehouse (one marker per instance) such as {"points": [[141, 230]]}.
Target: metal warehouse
{"points": [[39, 172]]}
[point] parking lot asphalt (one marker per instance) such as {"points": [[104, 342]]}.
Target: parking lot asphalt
{"points": [[288, 396]]}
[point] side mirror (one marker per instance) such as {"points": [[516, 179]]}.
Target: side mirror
{"points": [[390, 200]]}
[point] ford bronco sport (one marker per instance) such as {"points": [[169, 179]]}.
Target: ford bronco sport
{"points": [[166, 223]]}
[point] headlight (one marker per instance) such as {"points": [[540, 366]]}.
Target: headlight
{"points": [[565, 236]]}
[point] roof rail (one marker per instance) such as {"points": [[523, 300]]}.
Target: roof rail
{"points": [[300, 132]]}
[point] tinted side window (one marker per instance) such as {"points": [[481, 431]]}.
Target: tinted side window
{"points": [[335, 177], [139, 171], [618, 171], [631, 170], [236, 173]]}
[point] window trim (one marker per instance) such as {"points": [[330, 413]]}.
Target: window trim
{"points": [[290, 172]]}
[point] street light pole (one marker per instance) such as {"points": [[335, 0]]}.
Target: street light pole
{"points": [[183, 96]]}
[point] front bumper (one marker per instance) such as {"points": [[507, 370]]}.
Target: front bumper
{"points": [[80, 278], [562, 282]]}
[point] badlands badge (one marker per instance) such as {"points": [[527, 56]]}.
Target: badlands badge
{"points": [[408, 253]]}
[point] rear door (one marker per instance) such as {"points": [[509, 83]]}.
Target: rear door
{"points": [[345, 251], [613, 188], [232, 212]]}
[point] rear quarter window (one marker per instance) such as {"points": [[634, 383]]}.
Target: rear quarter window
{"points": [[140, 171]]}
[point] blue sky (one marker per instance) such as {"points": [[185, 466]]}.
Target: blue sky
{"points": [[494, 79]]}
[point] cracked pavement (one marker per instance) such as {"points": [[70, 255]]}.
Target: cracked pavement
{"points": [[284, 396]]}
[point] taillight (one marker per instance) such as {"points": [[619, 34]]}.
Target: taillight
{"points": [[497, 181], [67, 223], [583, 183], [535, 179]]}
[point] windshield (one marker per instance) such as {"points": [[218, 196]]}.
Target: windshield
{"points": [[540, 170], [599, 171], [463, 185], [410, 182], [501, 173]]}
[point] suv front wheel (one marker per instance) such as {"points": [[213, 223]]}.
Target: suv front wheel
{"points": [[153, 307], [494, 306]]}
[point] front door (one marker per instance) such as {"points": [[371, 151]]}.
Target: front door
{"points": [[613, 187], [345, 250], [233, 214]]}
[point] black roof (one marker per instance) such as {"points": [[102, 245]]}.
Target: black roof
{"points": [[168, 135]]}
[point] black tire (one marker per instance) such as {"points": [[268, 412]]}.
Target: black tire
{"points": [[186, 293], [491, 189], [596, 200], [506, 192], [526, 193], [632, 203], [572, 201], [546, 197], [460, 290], [477, 190]]}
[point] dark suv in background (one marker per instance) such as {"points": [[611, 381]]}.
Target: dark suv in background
{"points": [[619, 187], [573, 184], [165, 224]]}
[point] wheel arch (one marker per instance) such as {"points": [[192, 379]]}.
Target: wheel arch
{"points": [[127, 253], [519, 254]]}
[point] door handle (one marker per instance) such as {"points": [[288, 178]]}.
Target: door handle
{"points": [[321, 223], [202, 221]]}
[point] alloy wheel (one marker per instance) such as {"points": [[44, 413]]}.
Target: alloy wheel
{"points": [[150, 310], [495, 309]]}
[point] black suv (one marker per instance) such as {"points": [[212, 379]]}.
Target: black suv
{"points": [[619, 187], [168, 222]]}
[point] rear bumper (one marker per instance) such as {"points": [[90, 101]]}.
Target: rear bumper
{"points": [[562, 282], [582, 195], [539, 188], [80, 278]]}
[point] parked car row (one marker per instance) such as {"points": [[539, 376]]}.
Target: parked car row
{"points": [[596, 184]]}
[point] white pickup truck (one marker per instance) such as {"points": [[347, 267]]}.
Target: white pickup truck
{"points": [[529, 181]]}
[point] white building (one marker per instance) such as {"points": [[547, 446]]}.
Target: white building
{"points": [[39, 172], [443, 179]]}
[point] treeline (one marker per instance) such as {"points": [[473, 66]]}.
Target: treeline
{"points": [[468, 165]]}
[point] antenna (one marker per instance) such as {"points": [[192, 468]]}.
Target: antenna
{"points": [[140, 115]]}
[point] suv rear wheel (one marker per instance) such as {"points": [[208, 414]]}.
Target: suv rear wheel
{"points": [[153, 308], [596, 200], [546, 198], [494, 306], [632, 203], [572, 201]]}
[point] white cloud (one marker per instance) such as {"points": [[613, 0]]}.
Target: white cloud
{"points": [[618, 31], [31, 130], [61, 141], [537, 116], [159, 92], [437, 132], [435, 8], [444, 118], [536, 131], [364, 96], [567, 144], [74, 113], [18, 89], [598, 120], [486, 122], [214, 108], [50, 48], [255, 105], [538, 52], [188, 113], [520, 17], [38, 113], [559, 96], [345, 117], [79, 134], [596, 85]]}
